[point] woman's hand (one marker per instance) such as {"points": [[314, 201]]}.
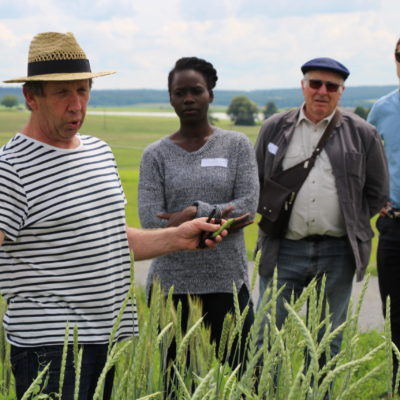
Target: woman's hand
{"points": [[179, 217], [240, 222], [190, 212]]}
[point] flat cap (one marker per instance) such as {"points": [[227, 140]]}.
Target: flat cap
{"points": [[327, 64]]}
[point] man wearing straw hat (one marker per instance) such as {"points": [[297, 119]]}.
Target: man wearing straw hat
{"points": [[64, 254]]}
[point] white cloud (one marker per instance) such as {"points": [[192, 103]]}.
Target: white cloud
{"points": [[252, 45]]}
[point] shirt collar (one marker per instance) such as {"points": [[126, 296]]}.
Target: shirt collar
{"points": [[303, 117]]}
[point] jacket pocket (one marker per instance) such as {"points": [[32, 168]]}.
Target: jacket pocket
{"points": [[355, 179], [355, 165]]}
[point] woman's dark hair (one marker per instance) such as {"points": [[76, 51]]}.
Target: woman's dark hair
{"points": [[197, 64]]}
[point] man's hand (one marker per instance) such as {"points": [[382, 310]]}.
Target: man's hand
{"points": [[179, 217], [189, 232], [384, 210], [150, 243]]}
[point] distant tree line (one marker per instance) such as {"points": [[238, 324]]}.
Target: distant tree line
{"points": [[283, 98], [243, 111]]}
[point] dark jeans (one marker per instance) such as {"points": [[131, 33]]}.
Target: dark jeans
{"points": [[388, 258], [299, 262], [27, 362]]}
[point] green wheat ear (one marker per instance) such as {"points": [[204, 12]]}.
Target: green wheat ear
{"points": [[78, 369], [140, 365], [226, 327], [33, 387], [64, 359]]}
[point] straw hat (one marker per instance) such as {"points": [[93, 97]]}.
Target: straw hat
{"points": [[57, 56]]}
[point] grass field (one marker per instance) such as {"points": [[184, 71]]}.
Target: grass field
{"points": [[151, 107], [128, 136]]}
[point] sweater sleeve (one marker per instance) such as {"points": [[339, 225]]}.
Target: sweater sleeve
{"points": [[151, 196], [245, 191]]}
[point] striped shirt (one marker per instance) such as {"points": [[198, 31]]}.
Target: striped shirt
{"points": [[65, 256]]}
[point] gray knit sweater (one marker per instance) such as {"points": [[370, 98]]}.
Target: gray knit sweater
{"points": [[223, 172]]}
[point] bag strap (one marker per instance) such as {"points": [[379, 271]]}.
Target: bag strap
{"points": [[294, 177], [302, 169], [309, 163]]}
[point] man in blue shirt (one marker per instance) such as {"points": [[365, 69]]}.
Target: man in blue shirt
{"points": [[385, 115]]}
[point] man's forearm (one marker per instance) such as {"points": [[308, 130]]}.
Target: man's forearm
{"points": [[150, 243]]}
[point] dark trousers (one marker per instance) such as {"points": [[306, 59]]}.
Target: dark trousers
{"points": [[215, 306], [27, 362], [388, 258]]}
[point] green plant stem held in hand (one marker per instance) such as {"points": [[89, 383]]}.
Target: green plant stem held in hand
{"points": [[226, 225]]}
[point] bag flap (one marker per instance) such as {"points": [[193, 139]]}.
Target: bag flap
{"points": [[272, 199]]}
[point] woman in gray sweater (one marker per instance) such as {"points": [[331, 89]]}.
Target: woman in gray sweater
{"points": [[186, 175]]}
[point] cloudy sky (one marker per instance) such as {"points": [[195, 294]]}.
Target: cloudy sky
{"points": [[254, 44]]}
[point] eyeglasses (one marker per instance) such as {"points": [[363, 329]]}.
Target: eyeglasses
{"points": [[330, 86], [397, 55]]}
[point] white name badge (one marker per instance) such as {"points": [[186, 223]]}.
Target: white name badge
{"points": [[214, 162], [272, 148]]}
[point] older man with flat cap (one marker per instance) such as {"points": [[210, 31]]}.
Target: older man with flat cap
{"points": [[64, 246], [328, 231]]}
